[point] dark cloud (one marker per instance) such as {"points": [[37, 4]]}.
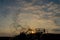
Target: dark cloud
{"points": [[55, 1], [34, 2], [56, 30], [57, 15]]}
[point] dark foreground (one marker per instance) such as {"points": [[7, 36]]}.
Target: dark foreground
{"points": [[36, 36]]}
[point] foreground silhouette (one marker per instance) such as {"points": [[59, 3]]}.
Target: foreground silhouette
{"points": [[36, 36]]}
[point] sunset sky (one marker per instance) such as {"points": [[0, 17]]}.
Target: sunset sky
{"points": [[15, 15]]}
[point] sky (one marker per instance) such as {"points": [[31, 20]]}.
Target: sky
{"points": [[17, 15]]}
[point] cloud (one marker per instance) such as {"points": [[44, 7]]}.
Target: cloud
{"points": [[56, 30], [28, 14], [31, 13]]}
